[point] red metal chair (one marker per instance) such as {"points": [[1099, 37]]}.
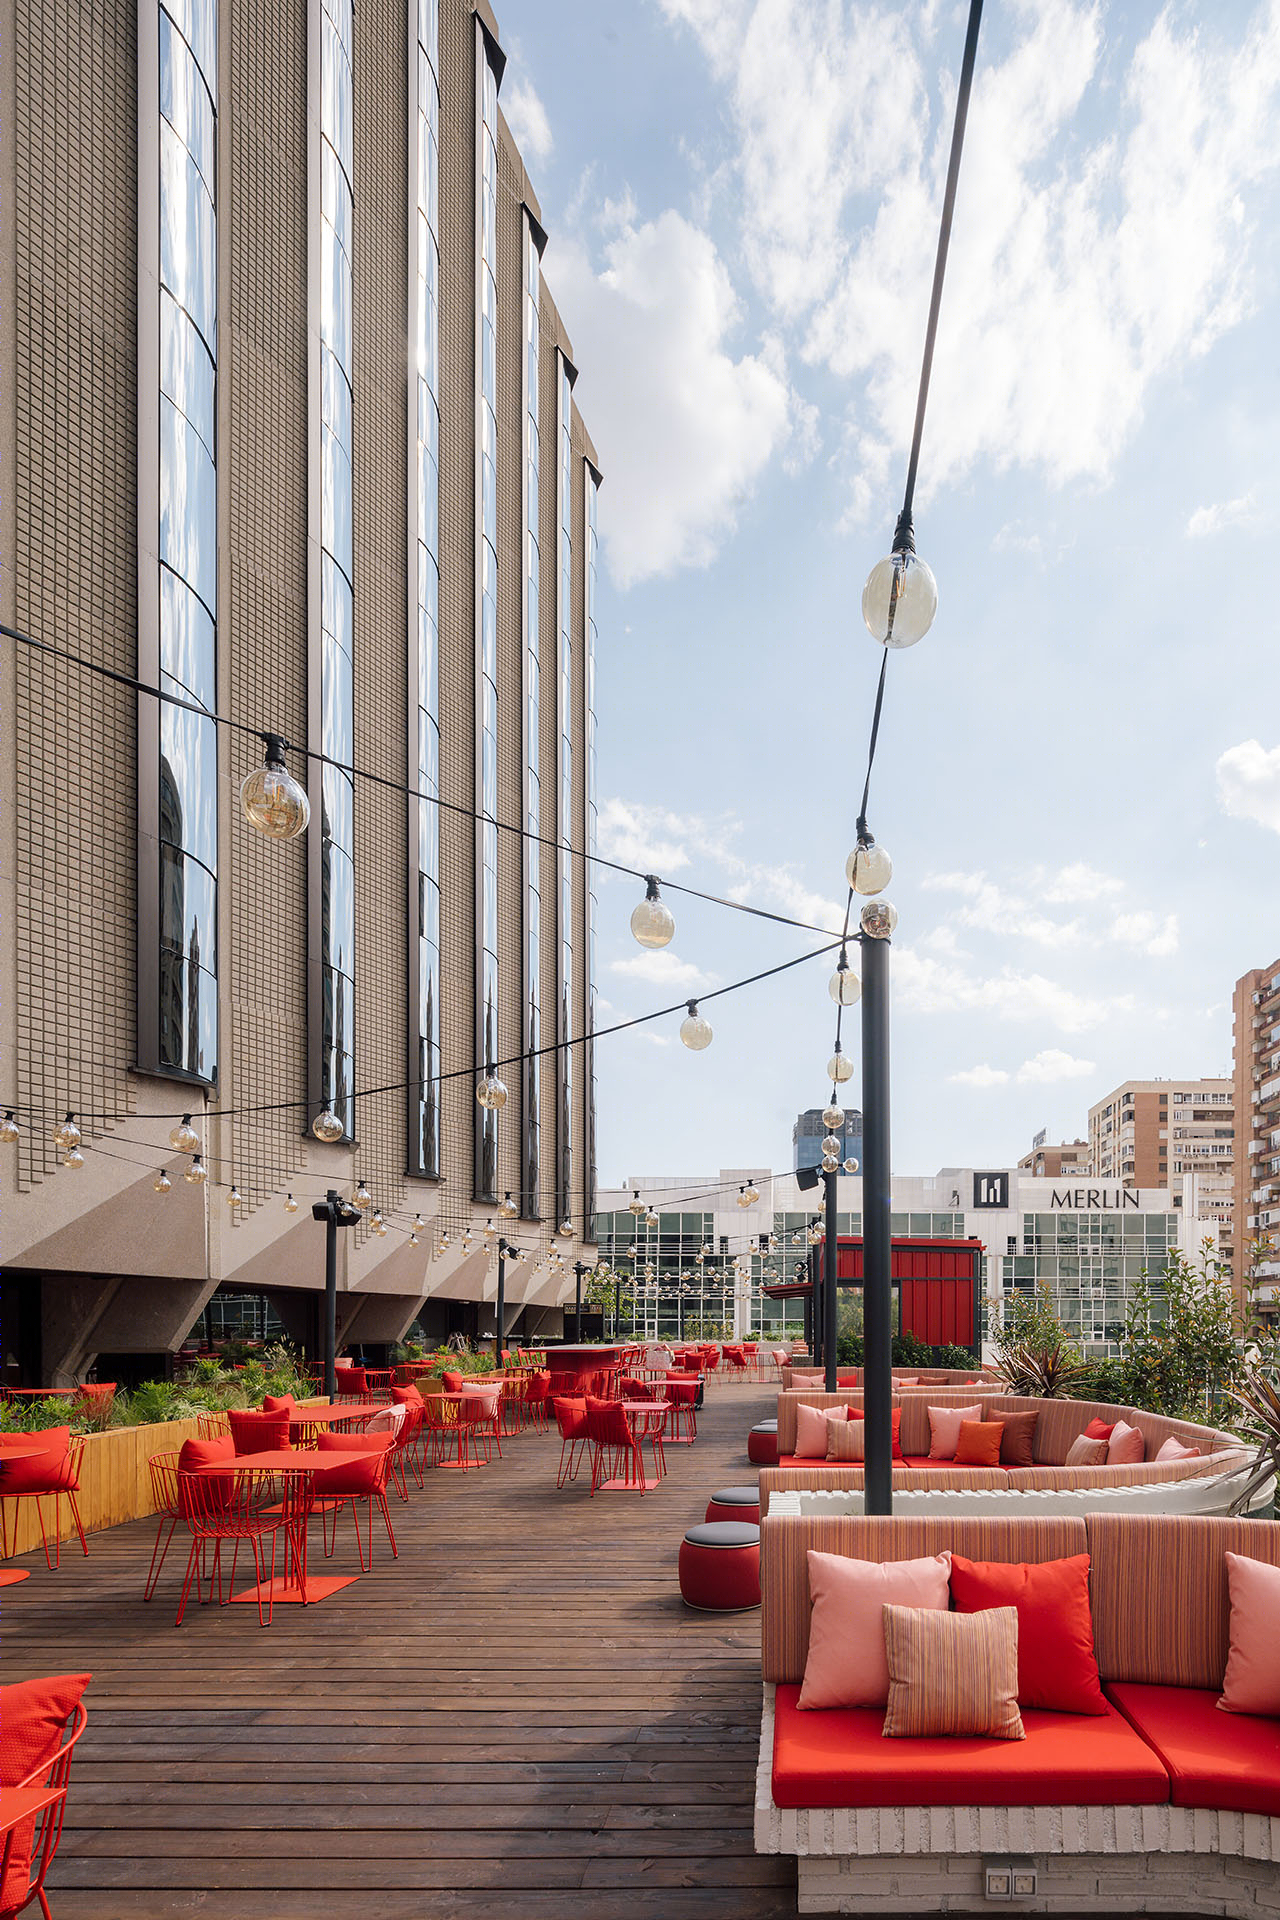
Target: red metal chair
{"points": [[571, 1419], [347, 1484], [94, 1401], [536, 1391], [29, 1845], [213, 1426], [407, 1451], [735, 1361], [233, 1507], [683, 1395], [164, 1491], [615, 1450], [55, 1471], [482, 1412]]}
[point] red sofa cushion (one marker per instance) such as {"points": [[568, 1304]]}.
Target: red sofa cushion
{"points": [[1215, 1759], [1099, 1430], [947, 1466], [1057, 1668], [840, 1758], [48, 1472]]}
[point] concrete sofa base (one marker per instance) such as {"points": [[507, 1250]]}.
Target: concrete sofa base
{"points": [[916, 1860]]}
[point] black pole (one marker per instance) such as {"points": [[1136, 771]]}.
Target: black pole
{"points": [[578, 1270], [501, 1305], [877, 1379], [806, 1302], [818, 1348], [829, 1293], [617, 1308], [331, 1294]]}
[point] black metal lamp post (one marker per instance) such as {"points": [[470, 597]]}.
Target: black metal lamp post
{"points": [[580, 1268], [829, 1293], [877, 1378], [505, 1251], [334, 1212]]}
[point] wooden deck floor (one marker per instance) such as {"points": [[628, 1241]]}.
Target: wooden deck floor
{"points": [[518, 1717]]}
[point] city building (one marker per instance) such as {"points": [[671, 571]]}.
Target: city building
{"points": [[1256, 1084], [810, 1131], [1051, 1163], [1088, 1244], [1156, 1133], [224, 479]]}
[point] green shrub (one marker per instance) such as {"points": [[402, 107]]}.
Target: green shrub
{"points": [[952, 1358], [850, 1350], [33, 1416]]}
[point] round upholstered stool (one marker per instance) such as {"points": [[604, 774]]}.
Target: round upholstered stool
{"points": [[762, 1444], [720, 1567], [735, 1503]]}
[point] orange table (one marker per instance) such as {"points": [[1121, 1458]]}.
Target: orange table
{"points": [[297, 1471]]}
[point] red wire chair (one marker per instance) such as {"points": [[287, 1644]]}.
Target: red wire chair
{"points": [[537, 1386], [571, 1420], [616, 1452], [46, 1830], [164, 1491], [482, 1413], [236, 1507], [35, 1479], [683, 1395], [346, 1484]]}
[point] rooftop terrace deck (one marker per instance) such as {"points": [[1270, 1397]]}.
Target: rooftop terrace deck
{"points": [[518, 1718]]}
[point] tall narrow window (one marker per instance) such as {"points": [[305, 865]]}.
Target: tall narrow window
{"points": [[486, 1122], [531, 1163], [424, 602], [564, 830], [332, 849], [591, 490], [178, 857]]}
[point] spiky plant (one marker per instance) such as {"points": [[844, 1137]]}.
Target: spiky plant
{"points": [[1258, 1399], [1044, 1373]]}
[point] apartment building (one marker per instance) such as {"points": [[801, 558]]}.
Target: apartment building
{"points": [[1256, 1084], [1161, 1133], [1043, 1162], [224, 481]]}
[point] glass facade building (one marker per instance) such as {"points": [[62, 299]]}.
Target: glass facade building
{"points": [[564, 859], [531, 1090], [592, 488], [487, 1050]]}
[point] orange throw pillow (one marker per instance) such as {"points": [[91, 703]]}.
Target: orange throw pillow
{"points": [[979, 1443], [1057, 1668], [952, 1673], [1099, 1430]]}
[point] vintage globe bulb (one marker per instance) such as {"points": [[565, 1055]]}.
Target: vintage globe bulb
{"points": [[378, 1224], [815, 1236], [9, 1129], [832, 1144], [290, 1204], [413, 1239], [66, 1135], [839, 1068], [362, 1197], [899, 600], [868, 867], [508, 1207], [694, 1030], [195, 1174], [566, 1228], [162, 1182], [491, 1093], [652, 922], [879, 919], [183, 1138], [829, 1163], [73, 1158], [833, 1118], [419, 1224], [271, 798], [327, 1126], [233, 1198], [635, 1205], [844, 986], [851, 1165]]}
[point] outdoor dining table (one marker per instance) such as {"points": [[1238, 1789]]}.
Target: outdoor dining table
{"points": [[317, 1417], [297, 1471]]}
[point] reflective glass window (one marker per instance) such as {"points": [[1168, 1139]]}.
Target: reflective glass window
{"points": [[184, 100], [187, 665], [188, 240], [186, 371]]}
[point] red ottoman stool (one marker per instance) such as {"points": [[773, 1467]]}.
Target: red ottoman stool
{"points": [[720, 1567], [735, 1503], [762, 1444]]}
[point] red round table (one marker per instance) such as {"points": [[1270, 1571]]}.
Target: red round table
{"points": [[580, 1361]]}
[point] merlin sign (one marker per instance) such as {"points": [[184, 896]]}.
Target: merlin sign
{"points": [[1085, 1199]]}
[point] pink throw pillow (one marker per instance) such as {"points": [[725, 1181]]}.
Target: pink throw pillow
{"points": [[846, 1664], [1084, 1452], [944, 1429], [906, 1380], [1172, 1449], [811, 1430], [1126, 1447], [1251, 1683]]}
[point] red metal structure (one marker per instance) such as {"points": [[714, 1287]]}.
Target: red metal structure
{"points": [[939, 1286]]}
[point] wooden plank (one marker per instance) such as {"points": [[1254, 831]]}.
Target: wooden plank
{"points": [[516, 1716]]}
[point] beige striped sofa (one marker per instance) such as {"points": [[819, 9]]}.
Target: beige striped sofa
{"points": [[1158, 1597], [1060, 1421], [852, 1376]]}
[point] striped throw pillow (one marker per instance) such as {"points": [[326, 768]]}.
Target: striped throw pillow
{"points": [[846, 1439], [952, 1673]]}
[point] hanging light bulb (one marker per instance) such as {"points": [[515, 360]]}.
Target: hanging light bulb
{"points": [[9, 1129], [271, 798], [652, 922], [487, 1235], [491, 1093], [444, 1240], [833, 1118], [694, 1030], [900, 598], [183, 1138], [66, 1135], [844, 985], [74, 1158], [327, 1127], [839, 1067], [699, 1259], [362, 1197], [815, 1235], [879, 919], [290, 1204], [829, 1163], [508, 1208], [196, 1173], [742, 1197], [566, 1228], [832, 1144], [378, 1224], [868, 868], [162, 1182], [413, 1239], [467, 1242], [233, 1198], [635, 1204], [651, 1218], [419, 1224], [851, 1165]]}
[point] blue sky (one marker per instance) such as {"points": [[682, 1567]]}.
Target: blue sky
{"points": [[1078, 775]]}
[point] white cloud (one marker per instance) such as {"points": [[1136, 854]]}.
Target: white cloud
{"points": [[1077, 884], [1147, 932], [1085, 267], [1249, 783], [656, 840], [980, 1077], [1227, 513], [1052, 1064], [660, 968], [683, 427], [527, 119], [927, 985], [650, 838]]}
